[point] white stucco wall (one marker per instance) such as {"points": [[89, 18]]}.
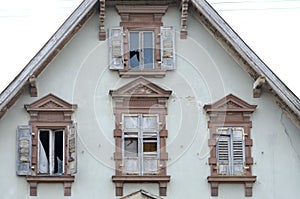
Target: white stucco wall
{"points": [[204, 74]]}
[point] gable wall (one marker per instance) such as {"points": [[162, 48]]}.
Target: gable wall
{"points": [[204, 74]]}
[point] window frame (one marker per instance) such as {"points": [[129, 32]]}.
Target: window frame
{"points": [[141, 18], [141, 47], [51, 112], [230, 112], [140, 97], [51, 152], [141, 155]]}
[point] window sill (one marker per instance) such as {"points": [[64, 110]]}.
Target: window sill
{"points": [[246, 180], [144, 73], [161, 180], [65, 179]]}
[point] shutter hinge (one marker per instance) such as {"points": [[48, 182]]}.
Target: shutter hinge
{"points": [[32, 133]]}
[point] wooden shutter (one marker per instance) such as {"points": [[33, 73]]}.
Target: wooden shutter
{"points": [[223, 151], [72, 149], [116, 48], [238, 151], [167, 42], [24, 152]]}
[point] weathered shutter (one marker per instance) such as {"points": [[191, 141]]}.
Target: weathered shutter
{"points": [[167, 42], [116, 48], [223, 152], [72, 149], [238, 151], [24, 142]]}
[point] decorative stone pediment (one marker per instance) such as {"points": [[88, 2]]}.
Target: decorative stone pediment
{"points": [[141, 195], [140, 88], [50, 103], [230, 103]]}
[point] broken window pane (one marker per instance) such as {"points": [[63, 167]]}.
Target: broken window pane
{"points": [[50, 152], [134, 54]]}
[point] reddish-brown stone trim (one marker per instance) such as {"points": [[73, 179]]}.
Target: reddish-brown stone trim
{"points": [[230, 111], [146, 18], [143, 97], [54, 113]]}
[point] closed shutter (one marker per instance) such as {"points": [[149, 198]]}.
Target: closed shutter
{"points": [[72, 149], [238, 151], [24, 152], [167, 42], [223, 152], [116, 48]]}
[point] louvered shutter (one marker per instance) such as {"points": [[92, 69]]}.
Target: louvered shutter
{"points": [[24, 152], [116, 48], [72, 149], [167, 42], [238, 151], [223, 153]]}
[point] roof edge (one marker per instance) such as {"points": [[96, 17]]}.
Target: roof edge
{"points": [[50, 47]]}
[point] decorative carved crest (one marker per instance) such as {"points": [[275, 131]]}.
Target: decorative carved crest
{"points": [[141, 194], [50, 103], [141, 88], [230, 103]]}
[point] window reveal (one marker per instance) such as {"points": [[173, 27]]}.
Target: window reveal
{"points": [[140, 144], [51, 152]]}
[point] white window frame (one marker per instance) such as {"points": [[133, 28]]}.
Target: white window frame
{"points": [[51, 160], [141, 46], [141, 155]]}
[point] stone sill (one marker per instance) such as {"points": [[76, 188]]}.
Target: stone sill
{"points": [[144, 73], [246, 180], [67, 180], [161, 180]]}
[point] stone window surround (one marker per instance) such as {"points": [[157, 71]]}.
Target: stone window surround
{"points": [[230, 111], [145, 102], [143, 18], [49, 112]]}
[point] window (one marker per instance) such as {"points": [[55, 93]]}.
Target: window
{"points": [[230, 151], [230, 142], [141, 53], [47, 146], [140, 144], [51, 152], [140, 109], [142, 46]]}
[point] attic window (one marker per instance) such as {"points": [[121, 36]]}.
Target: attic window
{"points": [[230, 142], [47, 146], [142, 46], [140, 134]]}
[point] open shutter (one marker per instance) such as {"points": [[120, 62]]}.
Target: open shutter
{"points": [[167, 42], [223, 151], [72, 149], [24, 150], [238, 151], [116, 48]]}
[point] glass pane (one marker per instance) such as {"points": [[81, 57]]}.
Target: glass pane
{"points": [[130, 122], [150, 122], [150, 147], [134, 54], [58, 152], [131, 147], [43, 151], [148, 50]]}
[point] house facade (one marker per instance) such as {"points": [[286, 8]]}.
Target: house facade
{"points": [[148, 99]]}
